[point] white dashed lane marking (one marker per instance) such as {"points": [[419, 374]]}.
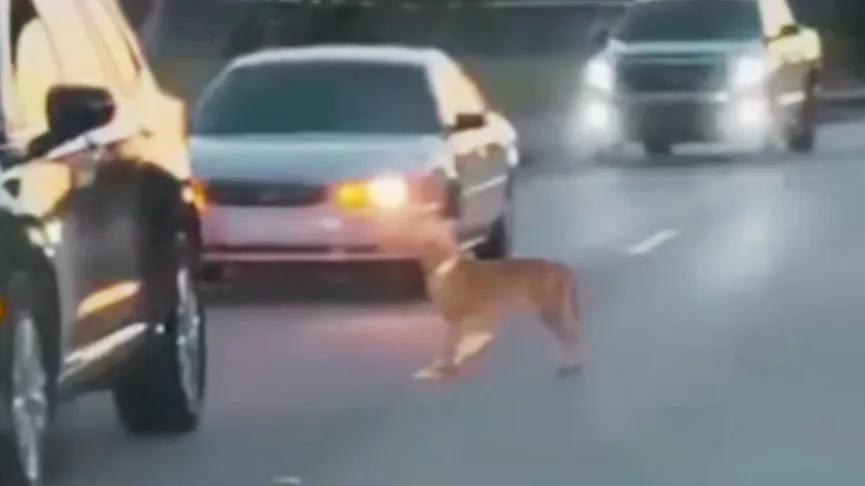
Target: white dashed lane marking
{"points": [[653, 242]]}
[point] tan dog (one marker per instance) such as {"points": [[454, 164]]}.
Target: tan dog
{"points": [[473, 295]]}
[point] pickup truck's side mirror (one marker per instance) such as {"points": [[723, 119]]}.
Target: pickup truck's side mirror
{"points": [[74, 110], [468, 121], [789, 30], [600, 36]]}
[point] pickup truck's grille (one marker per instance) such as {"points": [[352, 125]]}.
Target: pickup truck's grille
{"points": [[233, 193], [647, 77]]}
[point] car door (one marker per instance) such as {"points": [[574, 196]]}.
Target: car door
{"points": [[485, 170], [788, 51], [466, 154], [56, 188], [150, 159], [498, 137], [106, 201]]}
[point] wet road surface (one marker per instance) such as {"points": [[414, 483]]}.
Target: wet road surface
{"points": [[724, 316]]}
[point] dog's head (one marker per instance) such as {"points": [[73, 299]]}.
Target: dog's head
{"points": [[422, 235]]}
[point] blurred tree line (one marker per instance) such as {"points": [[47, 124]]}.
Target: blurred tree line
{"points": [[314, 21], [464, 27], [328, 21], [458, 26]]}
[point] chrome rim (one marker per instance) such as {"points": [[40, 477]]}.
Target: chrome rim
{"points": [[29, 397], [189, 327]]}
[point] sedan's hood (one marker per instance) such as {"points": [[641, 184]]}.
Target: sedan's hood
{"points": [[311, 158]]}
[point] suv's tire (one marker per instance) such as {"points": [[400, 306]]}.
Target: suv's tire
{"points": [[801, 136], [25, 378], [657, 147], [166, 394], [212, 272]]}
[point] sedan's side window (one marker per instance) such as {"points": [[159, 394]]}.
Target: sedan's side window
{"points": [[446, 96], [473, 99]]}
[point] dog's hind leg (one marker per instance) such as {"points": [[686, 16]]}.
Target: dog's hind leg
{"points": [[446, 363], [561, 316]]}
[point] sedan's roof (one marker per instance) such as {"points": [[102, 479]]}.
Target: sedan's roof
{"points": [[392, 54]]}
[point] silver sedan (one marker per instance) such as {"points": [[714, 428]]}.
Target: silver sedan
{"points": [[288, 144]]}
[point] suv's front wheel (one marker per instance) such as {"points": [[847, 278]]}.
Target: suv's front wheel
{"points": [[802, 133], [657, 147], [166, 394], [25, 386]]}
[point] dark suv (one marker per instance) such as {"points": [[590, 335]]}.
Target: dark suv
{"points": [[99, 231], [681, 71]]}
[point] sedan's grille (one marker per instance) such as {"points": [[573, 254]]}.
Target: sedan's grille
{"points": [[647, 77], [234, 193]]}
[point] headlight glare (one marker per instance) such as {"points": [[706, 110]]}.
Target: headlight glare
{"points": [[389, 192], [599, 74], [748, 71], [383, 192]]}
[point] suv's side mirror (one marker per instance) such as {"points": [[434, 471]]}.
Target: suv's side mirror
{"points": [[469, 121], [74, 110], [789, 30]]}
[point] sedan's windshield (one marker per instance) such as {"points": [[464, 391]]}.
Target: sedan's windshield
{"points": [[320, 97], [690, 20]]}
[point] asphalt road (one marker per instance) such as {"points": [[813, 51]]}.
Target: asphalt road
{"points": [[724, 313]]}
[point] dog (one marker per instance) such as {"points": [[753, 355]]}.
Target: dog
{"points": [[473, 295]]}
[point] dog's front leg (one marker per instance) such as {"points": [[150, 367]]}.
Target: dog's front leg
{"points": [[447, 360]]}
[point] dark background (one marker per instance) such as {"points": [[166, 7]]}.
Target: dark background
{"points": [[487, 31], [526, 58]]}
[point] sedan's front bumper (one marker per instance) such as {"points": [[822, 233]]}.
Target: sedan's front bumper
{"points": [[295, 254], [234, 235]]}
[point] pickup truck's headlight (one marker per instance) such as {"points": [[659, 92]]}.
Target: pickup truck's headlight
{"points": [[599, 74], [748, 71]]}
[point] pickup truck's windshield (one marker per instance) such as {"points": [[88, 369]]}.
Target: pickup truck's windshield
{"points": [[689, 20]]}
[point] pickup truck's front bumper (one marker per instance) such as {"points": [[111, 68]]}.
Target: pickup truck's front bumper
{"points": [[5, 418], [678, 118]]}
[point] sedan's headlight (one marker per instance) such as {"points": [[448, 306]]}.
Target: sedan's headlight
{"points": [[599, 74], [748, 71], [384, 192], [195, 194], [389, 192]]}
